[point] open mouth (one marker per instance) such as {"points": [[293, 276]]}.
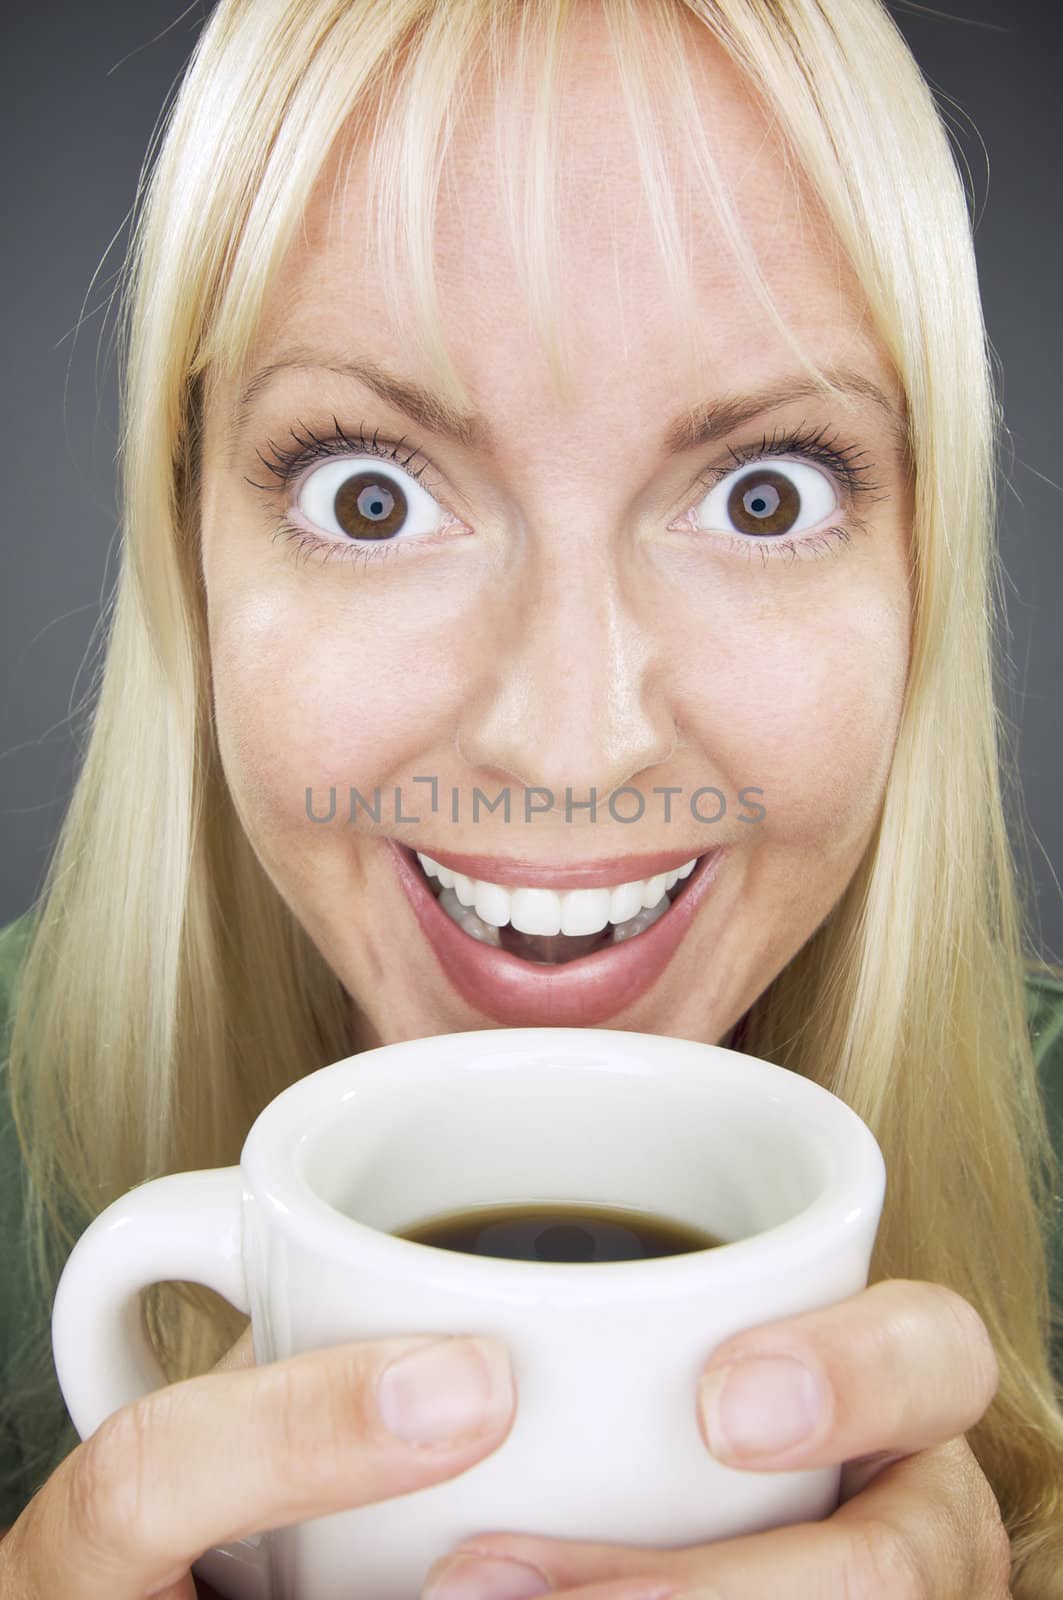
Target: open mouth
{"points": [[529, 955], [547, 928]]}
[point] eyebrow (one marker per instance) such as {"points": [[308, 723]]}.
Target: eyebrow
{"points": [[701, 425]]}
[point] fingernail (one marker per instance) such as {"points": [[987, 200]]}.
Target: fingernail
{"points": [[444, 1390], [473, 1578], [758, 1408]]}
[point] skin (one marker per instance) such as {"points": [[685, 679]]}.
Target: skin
{"points": [[568, 636]]}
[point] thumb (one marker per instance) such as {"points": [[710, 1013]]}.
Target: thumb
{"points": [[240, 1354]]}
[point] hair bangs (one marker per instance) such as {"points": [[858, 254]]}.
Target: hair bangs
{"points": [[524, 45], [393, 105]]}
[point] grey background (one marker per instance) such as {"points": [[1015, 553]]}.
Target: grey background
{"points": [[83, 87]]}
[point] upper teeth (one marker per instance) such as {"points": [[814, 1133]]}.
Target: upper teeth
{"points": [[547, 911]]}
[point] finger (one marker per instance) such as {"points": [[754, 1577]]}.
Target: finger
{"points": [[238, 1357], [163, 1480], [862, 1557], [808, 1558], [940, 1500], [506, 1580], [897, 1368], [924, 1527]]}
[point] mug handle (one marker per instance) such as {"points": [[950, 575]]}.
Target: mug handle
{"points": [[186, 1227]]}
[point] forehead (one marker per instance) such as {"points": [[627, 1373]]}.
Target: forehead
{"points": [[616, 300]]}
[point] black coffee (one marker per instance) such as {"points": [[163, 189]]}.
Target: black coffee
{"points": [[559, 1232]]}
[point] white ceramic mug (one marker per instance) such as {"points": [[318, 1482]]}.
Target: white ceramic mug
{"points": [[606, 1355]]}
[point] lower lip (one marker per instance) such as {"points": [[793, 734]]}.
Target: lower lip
{"points": [[580, 994]]}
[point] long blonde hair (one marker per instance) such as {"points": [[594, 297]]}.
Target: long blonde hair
{"points": [[168, 994]]}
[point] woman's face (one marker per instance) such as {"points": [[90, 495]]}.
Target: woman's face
{"points": [[566, 602]]}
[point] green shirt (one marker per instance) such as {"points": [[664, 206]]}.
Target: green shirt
{"points": [[35, 1431]]}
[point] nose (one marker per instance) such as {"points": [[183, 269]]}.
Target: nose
{"points": [[574, 698]]}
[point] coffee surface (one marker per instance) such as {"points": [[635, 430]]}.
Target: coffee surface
{"points": [[559, 1232]]}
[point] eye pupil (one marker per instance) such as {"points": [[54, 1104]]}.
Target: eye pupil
{"points": [[767, 502], [763, 503], [368, 508]]}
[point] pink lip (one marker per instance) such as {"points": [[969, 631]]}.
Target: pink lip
{"points": [[579, 875], [582, 993]]}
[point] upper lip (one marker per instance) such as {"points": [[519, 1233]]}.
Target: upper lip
{"points": [[518, 872]]}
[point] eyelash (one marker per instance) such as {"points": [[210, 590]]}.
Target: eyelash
{"points": [[844, 462]]}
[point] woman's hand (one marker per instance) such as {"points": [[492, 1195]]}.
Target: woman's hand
{"points": [[238, 1450], [895, 1375]]}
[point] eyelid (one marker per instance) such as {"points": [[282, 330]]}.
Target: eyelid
{"points": [[293, 466], [846, 463], [839, 461]]}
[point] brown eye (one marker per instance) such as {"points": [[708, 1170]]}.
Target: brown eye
{"points": [[764, 502], [766, 499], [360, 501], [367, 506]]}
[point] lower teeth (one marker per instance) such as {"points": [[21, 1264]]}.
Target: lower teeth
{"points": [[467, 919], [474, 925]]}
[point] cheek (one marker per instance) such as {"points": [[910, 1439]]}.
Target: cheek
{"points": [[806, 708], [307, 700]]}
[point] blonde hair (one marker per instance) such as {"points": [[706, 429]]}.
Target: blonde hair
{"points": [[168, 994]]}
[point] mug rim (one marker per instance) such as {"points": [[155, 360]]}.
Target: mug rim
{"points": [[849, 1200]]}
